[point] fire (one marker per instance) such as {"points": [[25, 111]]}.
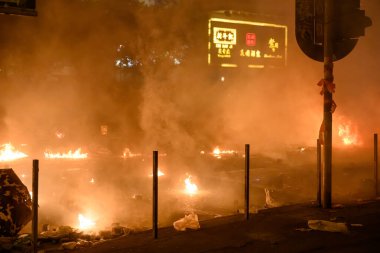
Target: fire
{"points": [[128, 154], [69, 155], [85, 223], [191, 188], [348, 135], [219, 153], [9, 153], [159, 173]]}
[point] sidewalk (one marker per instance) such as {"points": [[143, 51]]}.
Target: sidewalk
{"points": [[282, 229]]}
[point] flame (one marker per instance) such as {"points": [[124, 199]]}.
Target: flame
{"points": [[69, 155], [159, 173], [85, 223], [191, 188], [9, 153], [128, 154], [219, 153], [348, 135]]}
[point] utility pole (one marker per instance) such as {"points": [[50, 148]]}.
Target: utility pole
{"points": [[327, 101]]}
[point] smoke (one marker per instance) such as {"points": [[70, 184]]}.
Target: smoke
{"points": [[60, 73]]}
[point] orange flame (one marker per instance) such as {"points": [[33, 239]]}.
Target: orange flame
{"points": [[128, 154], [159, 173], [85, 223], [219, 153], [348, 135], [190, 187], [69, 155], [9, 153]]}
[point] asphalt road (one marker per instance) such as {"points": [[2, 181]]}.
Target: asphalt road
{"points": [[282, 229]]}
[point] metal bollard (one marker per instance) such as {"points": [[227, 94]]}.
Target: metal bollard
{"points": [[155, 194], [247, 181], [376, 164], [35, 207], [319, 174]]}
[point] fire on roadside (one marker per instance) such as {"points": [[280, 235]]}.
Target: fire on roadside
{"points": [[85, 223], [9, 153], [218, 153], [128, 154], [159, 173], [348, 134], [190, 187], [77, 154]]}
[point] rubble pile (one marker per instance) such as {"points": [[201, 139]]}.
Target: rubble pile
{"points": [[61, 238], [15, 204]]}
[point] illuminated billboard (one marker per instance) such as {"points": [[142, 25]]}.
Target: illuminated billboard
{"points": [[242, 43]]}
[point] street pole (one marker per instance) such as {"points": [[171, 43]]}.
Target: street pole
{"points": [[327, 102], [319, 182]]}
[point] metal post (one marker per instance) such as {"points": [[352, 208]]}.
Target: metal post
{"points": [[319, 174], [155, 194], [376, 165], [327, 106], [247, 181], [35, 207]]}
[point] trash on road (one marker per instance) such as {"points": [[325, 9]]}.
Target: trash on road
{"points": [[328, 226], [189, 221]]}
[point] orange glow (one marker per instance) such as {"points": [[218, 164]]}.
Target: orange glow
{"points": [[219, 153], [9, 153], [85, 223], [69, 155], [159, 173], [348, 134], [128, 154], [190, 187]]}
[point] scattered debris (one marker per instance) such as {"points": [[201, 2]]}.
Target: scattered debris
{"points": [[356, 225], [269, 201], [189, 221], [328, 226], [69, 245], [15, 203], [338, 206], [304, 229]]}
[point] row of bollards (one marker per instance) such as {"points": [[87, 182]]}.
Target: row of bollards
{"points": [[319, 170], [155, 189]]}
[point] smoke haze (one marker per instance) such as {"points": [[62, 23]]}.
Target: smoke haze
{"points": [[58, 75]]}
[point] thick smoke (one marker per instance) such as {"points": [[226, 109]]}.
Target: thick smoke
{"points": [[60, 77]]}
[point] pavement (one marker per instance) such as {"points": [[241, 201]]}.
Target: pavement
{"points": [[281, 229]]}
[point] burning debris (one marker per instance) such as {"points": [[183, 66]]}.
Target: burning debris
{"points": [[218, 153], [9, 153], [77, 154], [348, 134], [191, 188], [127, 153], [85, 223], [159, 173]]}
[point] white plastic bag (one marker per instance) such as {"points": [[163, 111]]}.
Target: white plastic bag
{"points": [[328, 226], [189, 221]]}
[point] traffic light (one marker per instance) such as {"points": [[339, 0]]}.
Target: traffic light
{"points": [[350, 20], [349, 23], [18, 7]]}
